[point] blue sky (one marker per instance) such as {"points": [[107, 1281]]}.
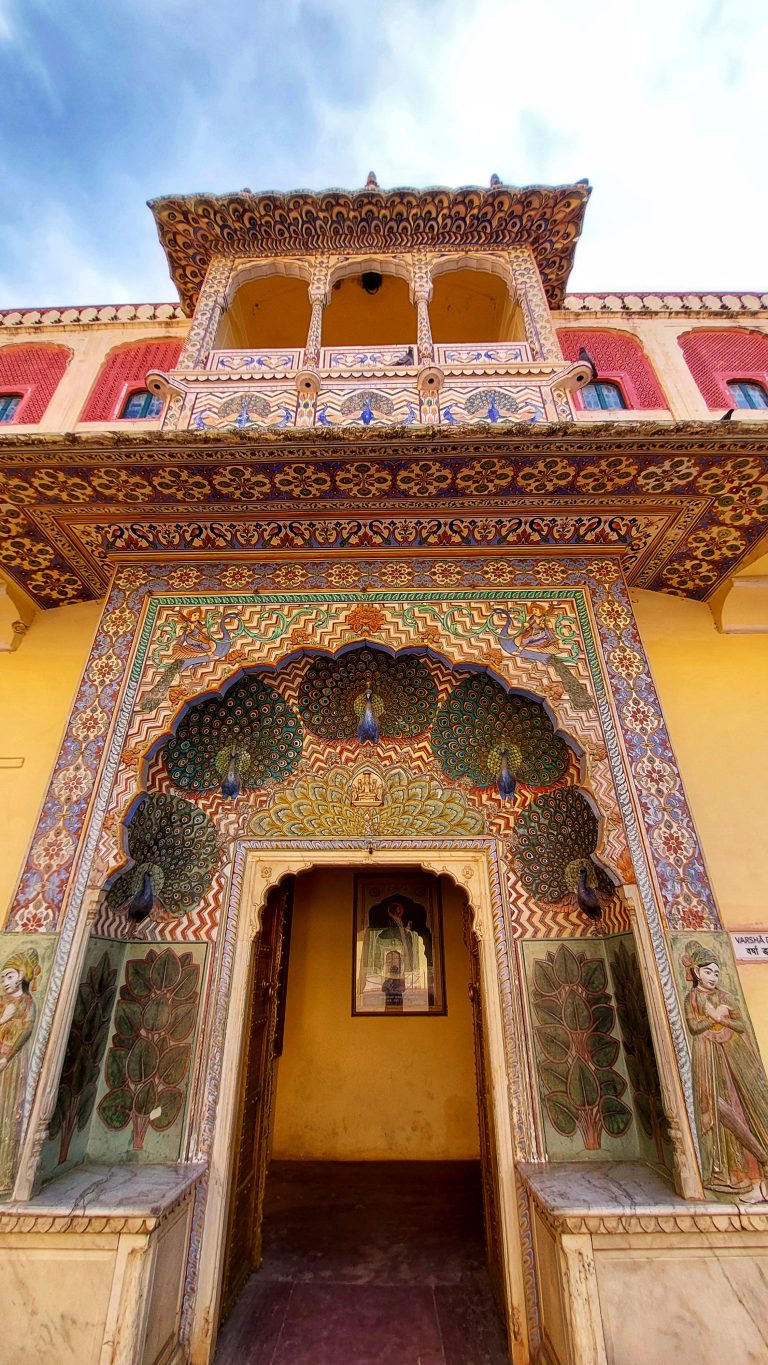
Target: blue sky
{"points": [[662, 104]]}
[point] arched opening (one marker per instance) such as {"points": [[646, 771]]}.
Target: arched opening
{"points": [[369, 308], [364, 1202], [268, 311], [29, 377], [473, 305], [124, 371]]}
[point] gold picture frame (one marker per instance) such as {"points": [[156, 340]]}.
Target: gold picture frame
{"points": [[398, 964]]}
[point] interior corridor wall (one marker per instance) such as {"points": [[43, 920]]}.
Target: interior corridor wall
{"points": [[713, 690], [38, 683], [369, 1089]]}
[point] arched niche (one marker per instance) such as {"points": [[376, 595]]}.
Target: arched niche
{"points": [[268, 306], [473, 869], [360, 312], [284, 680], [473, 300]]}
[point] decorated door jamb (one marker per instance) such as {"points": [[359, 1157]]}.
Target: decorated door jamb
{"points": [[260, 865]]}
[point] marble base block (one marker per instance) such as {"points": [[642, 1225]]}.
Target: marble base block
{"points": [[628, 1273], [93, 1267]]}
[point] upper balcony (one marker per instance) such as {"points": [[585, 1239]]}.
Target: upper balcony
{"points": [[373, 341]]}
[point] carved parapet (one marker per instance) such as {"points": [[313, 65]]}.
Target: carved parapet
{"points": [[382, 386]]}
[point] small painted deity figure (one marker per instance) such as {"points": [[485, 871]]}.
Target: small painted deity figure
{"points": [[730, 1087], [18, 979], [538, 631]]}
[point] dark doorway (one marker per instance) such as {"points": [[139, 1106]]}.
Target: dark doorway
{"points": [[368, 1262]]}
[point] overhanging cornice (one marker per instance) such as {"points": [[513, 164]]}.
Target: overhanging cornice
{"points": [[682, 503], [193, 228]]}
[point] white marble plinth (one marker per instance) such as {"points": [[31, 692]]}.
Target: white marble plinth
{"points": [[629, 1273], [94, 1266], [111, 1192]]}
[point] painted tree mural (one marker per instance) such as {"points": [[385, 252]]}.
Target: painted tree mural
{"points": [[575, 1019], [148, 1062]]}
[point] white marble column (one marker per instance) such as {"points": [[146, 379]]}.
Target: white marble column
{"points": [[421, 293]]}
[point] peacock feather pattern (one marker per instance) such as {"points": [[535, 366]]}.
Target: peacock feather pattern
{"points": [[415, 805], [479, 721], [174, 843], [333, 692], [555, 837], [251, 723]]}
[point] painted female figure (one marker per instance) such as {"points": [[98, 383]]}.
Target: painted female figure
{"points": [[18, 978], [730, 1088]]}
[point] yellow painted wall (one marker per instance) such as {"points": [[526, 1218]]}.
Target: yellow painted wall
{"points": [[38, 682], [369, 1089], [273, 310], [714, 694], [354, 318], [473, 306]]}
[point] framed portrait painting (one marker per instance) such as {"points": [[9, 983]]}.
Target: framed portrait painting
{"points": [[398, 944]]}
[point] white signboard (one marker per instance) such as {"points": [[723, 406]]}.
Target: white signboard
{"points": [[750, 945]]}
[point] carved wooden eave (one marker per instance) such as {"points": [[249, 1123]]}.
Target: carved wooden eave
{"points": [[193, 228], [683, 503]]}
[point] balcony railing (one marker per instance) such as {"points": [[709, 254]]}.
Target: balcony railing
{"points": [[269, 362], [496, 382], [374, 360]]}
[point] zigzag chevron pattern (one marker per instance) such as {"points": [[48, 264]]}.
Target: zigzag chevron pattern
{"points": [[262, 634]]}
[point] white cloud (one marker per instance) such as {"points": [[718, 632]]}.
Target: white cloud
{"points": [[661, 103], [61, 254]]}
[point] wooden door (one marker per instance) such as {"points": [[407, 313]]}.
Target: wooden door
{"points": [[488, 1158], [250, 1146]]}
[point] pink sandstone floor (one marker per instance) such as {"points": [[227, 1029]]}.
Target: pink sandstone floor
{"points": [[367, 1263]]}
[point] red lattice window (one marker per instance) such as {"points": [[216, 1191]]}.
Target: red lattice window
{"points": [[619, 357], [716, 354], [123, 371], [34, 372]]}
